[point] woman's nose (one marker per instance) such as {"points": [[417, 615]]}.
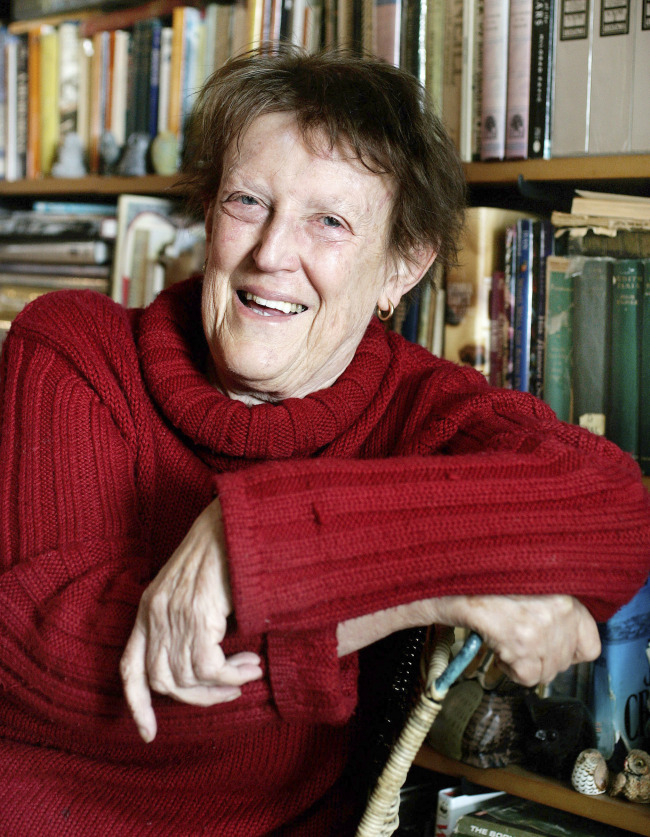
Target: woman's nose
{"points": [[277, 248]]}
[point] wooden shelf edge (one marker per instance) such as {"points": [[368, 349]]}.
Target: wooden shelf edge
{"points": [[513, 779], [615, 167], [91, 185]]}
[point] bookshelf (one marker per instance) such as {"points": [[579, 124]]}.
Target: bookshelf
{"points": [[634, 817], [633, 170]]}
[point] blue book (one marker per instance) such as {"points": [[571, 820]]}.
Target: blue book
{"points": [[523, 304], [621, 677]]}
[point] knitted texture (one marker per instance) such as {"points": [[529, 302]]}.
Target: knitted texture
{"points": [[408, 478]]}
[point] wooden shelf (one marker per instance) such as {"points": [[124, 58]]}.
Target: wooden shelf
{"points": [[631, 816], [562, 169], [92, 185], [628, 167]]}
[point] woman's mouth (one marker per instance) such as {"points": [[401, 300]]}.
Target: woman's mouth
{"points": [[269, 307]]}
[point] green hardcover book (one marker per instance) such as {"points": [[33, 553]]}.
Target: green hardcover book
{"points": [[510, 816], [623, 417], [592, 281], [644, 374], [557, 389]]}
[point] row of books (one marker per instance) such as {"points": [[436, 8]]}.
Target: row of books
{"points": [[511, 78], [560, 79], [129, 251], [559, 308], [106, 78]]}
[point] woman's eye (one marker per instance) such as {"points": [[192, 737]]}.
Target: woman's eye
{"points": [[247, 200], [330, 221]]}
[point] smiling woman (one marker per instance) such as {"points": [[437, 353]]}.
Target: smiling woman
{"points": [[215, 511]]}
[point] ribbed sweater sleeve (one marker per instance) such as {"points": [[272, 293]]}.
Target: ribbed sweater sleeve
{"points": [[490, 494]]}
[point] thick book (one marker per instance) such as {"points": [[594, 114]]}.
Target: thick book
{"points": [[520, 30], [640, 141], [623, 418], [612, 73], [592, 284], [620, 677], [467, 325], [495, 79], [511, 816], [573, 33], [611, 205], [49, 97], [558, 346], [590, 236], [59, 252], [644, 373], [541, 79]]}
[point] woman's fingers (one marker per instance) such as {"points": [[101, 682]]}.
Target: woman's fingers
{"points": [[136, 684]]}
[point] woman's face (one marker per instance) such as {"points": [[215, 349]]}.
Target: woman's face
{"points": [[297, 262]]}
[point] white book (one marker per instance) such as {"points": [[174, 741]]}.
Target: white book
{"points": [[495, 79], [640, 111], [520, 33], [119, 85], [453, 803], [9, 118], [68, 54], [571, 86], [164, 78], [85, 52], [612, 74]]}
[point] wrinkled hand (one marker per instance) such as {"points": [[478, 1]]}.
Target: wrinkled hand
{"points": [[175, 646], [533, 637]]}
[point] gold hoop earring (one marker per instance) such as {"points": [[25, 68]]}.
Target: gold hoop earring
{"points": [[384, 316], [205, 264]]}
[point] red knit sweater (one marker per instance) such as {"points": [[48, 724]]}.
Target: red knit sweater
{"points": [[409, 477]]}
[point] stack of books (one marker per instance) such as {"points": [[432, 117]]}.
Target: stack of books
{"points": [[54, 246]]}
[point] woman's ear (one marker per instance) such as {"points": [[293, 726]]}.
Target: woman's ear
{"points": [[405, 276]]}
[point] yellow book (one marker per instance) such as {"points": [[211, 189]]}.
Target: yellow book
{"points": [[49, 97]]}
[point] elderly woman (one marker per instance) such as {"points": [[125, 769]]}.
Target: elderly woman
{"points": [[239, 489]]}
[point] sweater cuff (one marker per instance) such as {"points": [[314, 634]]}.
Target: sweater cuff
{"points": [[309, 681]]}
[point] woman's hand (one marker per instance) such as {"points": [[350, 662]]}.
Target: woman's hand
{"points": [[533, 637], [175, 645]]}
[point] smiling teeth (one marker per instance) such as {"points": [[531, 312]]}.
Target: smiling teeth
{"points": [[284, 307]]}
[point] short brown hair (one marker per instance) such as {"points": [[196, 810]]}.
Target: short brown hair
{"points": [[380, 112]]}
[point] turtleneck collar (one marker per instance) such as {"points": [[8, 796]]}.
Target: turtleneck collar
{"points": [[173, 352]]}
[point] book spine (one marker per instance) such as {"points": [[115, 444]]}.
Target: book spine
{"points": [[68, 78], [498, 329], [387, 30], [33, 116], [592, 280], [623, 419], [466, 121], [612, 73], [640, 141], [22, 107], [5, 46], [495, 79], [523, 305], [154, 76], [541, 79], [543, 249], [452, 70], [510, 275], [164, 79], [571, 78], [435, 52], [520, 29], [470, 825], [557, 375], [49, 98], [644, 373]]}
